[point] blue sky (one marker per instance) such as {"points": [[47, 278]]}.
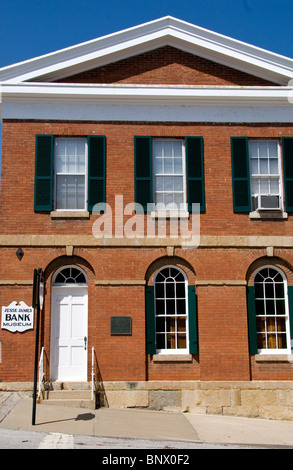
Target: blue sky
{"points": [[30, 28]]}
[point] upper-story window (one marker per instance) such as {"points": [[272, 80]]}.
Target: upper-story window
{"points": [[169, 174], [265, 174], [70, 173], [260, 169]]}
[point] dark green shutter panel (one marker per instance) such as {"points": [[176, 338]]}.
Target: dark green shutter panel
{"points": [[150, 320], [251, 320], [96, 170], [287, 146], [143, 170], [195, 172], [240, 174], [43, 200], [290, 302], [192, 320]]}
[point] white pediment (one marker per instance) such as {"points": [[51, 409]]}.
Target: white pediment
{"points": [[146, 37]]}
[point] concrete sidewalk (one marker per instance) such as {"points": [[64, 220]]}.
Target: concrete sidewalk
{"points": [[16, 413]]}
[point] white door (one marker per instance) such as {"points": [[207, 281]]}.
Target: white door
{"points": [[69, 334]]}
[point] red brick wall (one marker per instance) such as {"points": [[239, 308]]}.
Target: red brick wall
{"points": [[222, 320], [168, 66], [18, 166]]}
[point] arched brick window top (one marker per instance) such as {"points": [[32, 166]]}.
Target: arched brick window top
{"points": [[274, 262], [72, 275], [176, 262]]}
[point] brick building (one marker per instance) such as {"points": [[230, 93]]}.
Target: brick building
{"points": [[114, 121]]}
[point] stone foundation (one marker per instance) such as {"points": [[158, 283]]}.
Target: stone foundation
{"points": [[255, 399]]}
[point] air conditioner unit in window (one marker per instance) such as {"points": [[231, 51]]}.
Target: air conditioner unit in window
{"points": [[266, 202]]}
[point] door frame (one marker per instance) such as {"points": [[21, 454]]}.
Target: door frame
{"points": [[68, 288]]}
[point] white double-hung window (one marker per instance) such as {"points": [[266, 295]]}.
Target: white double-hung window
{"points": [[265, 174], [169, 174], [70, 173]]}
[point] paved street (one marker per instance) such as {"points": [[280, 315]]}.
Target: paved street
{"points": [[13, 439]]}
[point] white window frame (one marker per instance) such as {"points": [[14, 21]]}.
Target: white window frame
{"points": [[286, 316], [182, 209], [71, 284], [259, 176], [62, 210], [177, 351]]}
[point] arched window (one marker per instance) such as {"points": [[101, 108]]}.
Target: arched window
{"points": [[271, 311], [171, 310], [69, 275]]}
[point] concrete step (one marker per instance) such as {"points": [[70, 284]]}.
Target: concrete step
{"points": [[65, 396]]}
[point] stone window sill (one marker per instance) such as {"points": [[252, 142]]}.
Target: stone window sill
{"points": [[172, 358], [70, 215], [267, 214], [169, 214], [274, 358]]}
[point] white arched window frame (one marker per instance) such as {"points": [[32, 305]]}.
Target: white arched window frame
{"points": [[272, 311], [70, 276], [171, 311]]}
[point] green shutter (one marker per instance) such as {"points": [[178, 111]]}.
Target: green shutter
{"points": [[150, 319], [290, 302], [192, 320], [43, 200], [96, 170], [251, 320], [143, 170], [287, 146], [195, 172], [240, 174]]}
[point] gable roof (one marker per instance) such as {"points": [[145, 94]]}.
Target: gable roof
{"points": [[143, 38]]}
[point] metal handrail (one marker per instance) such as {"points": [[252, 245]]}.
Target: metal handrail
{"points": [[93, 373], [41, 372]]}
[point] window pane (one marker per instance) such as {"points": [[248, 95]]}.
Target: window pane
{"points": [[170, 290], [160, 307], [181, 324], [70, 192], [263, 148], [160, 324], [261, 341], [274, 170], [170, 325], [171, 341], [170, 307], [274, 184], [178, 166], [159, 290], [168, 166], [259, 307], [269, 290], [279, 290], [160, 341], [254, 166], [180, 290], [280, 306], [263, 166], [181, 340], [273, 148], [158, 165], [181, 307], [264, 186], [258, 291]]}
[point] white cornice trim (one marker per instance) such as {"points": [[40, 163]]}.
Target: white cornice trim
{"points": [[145, 93], [132, 41]]}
